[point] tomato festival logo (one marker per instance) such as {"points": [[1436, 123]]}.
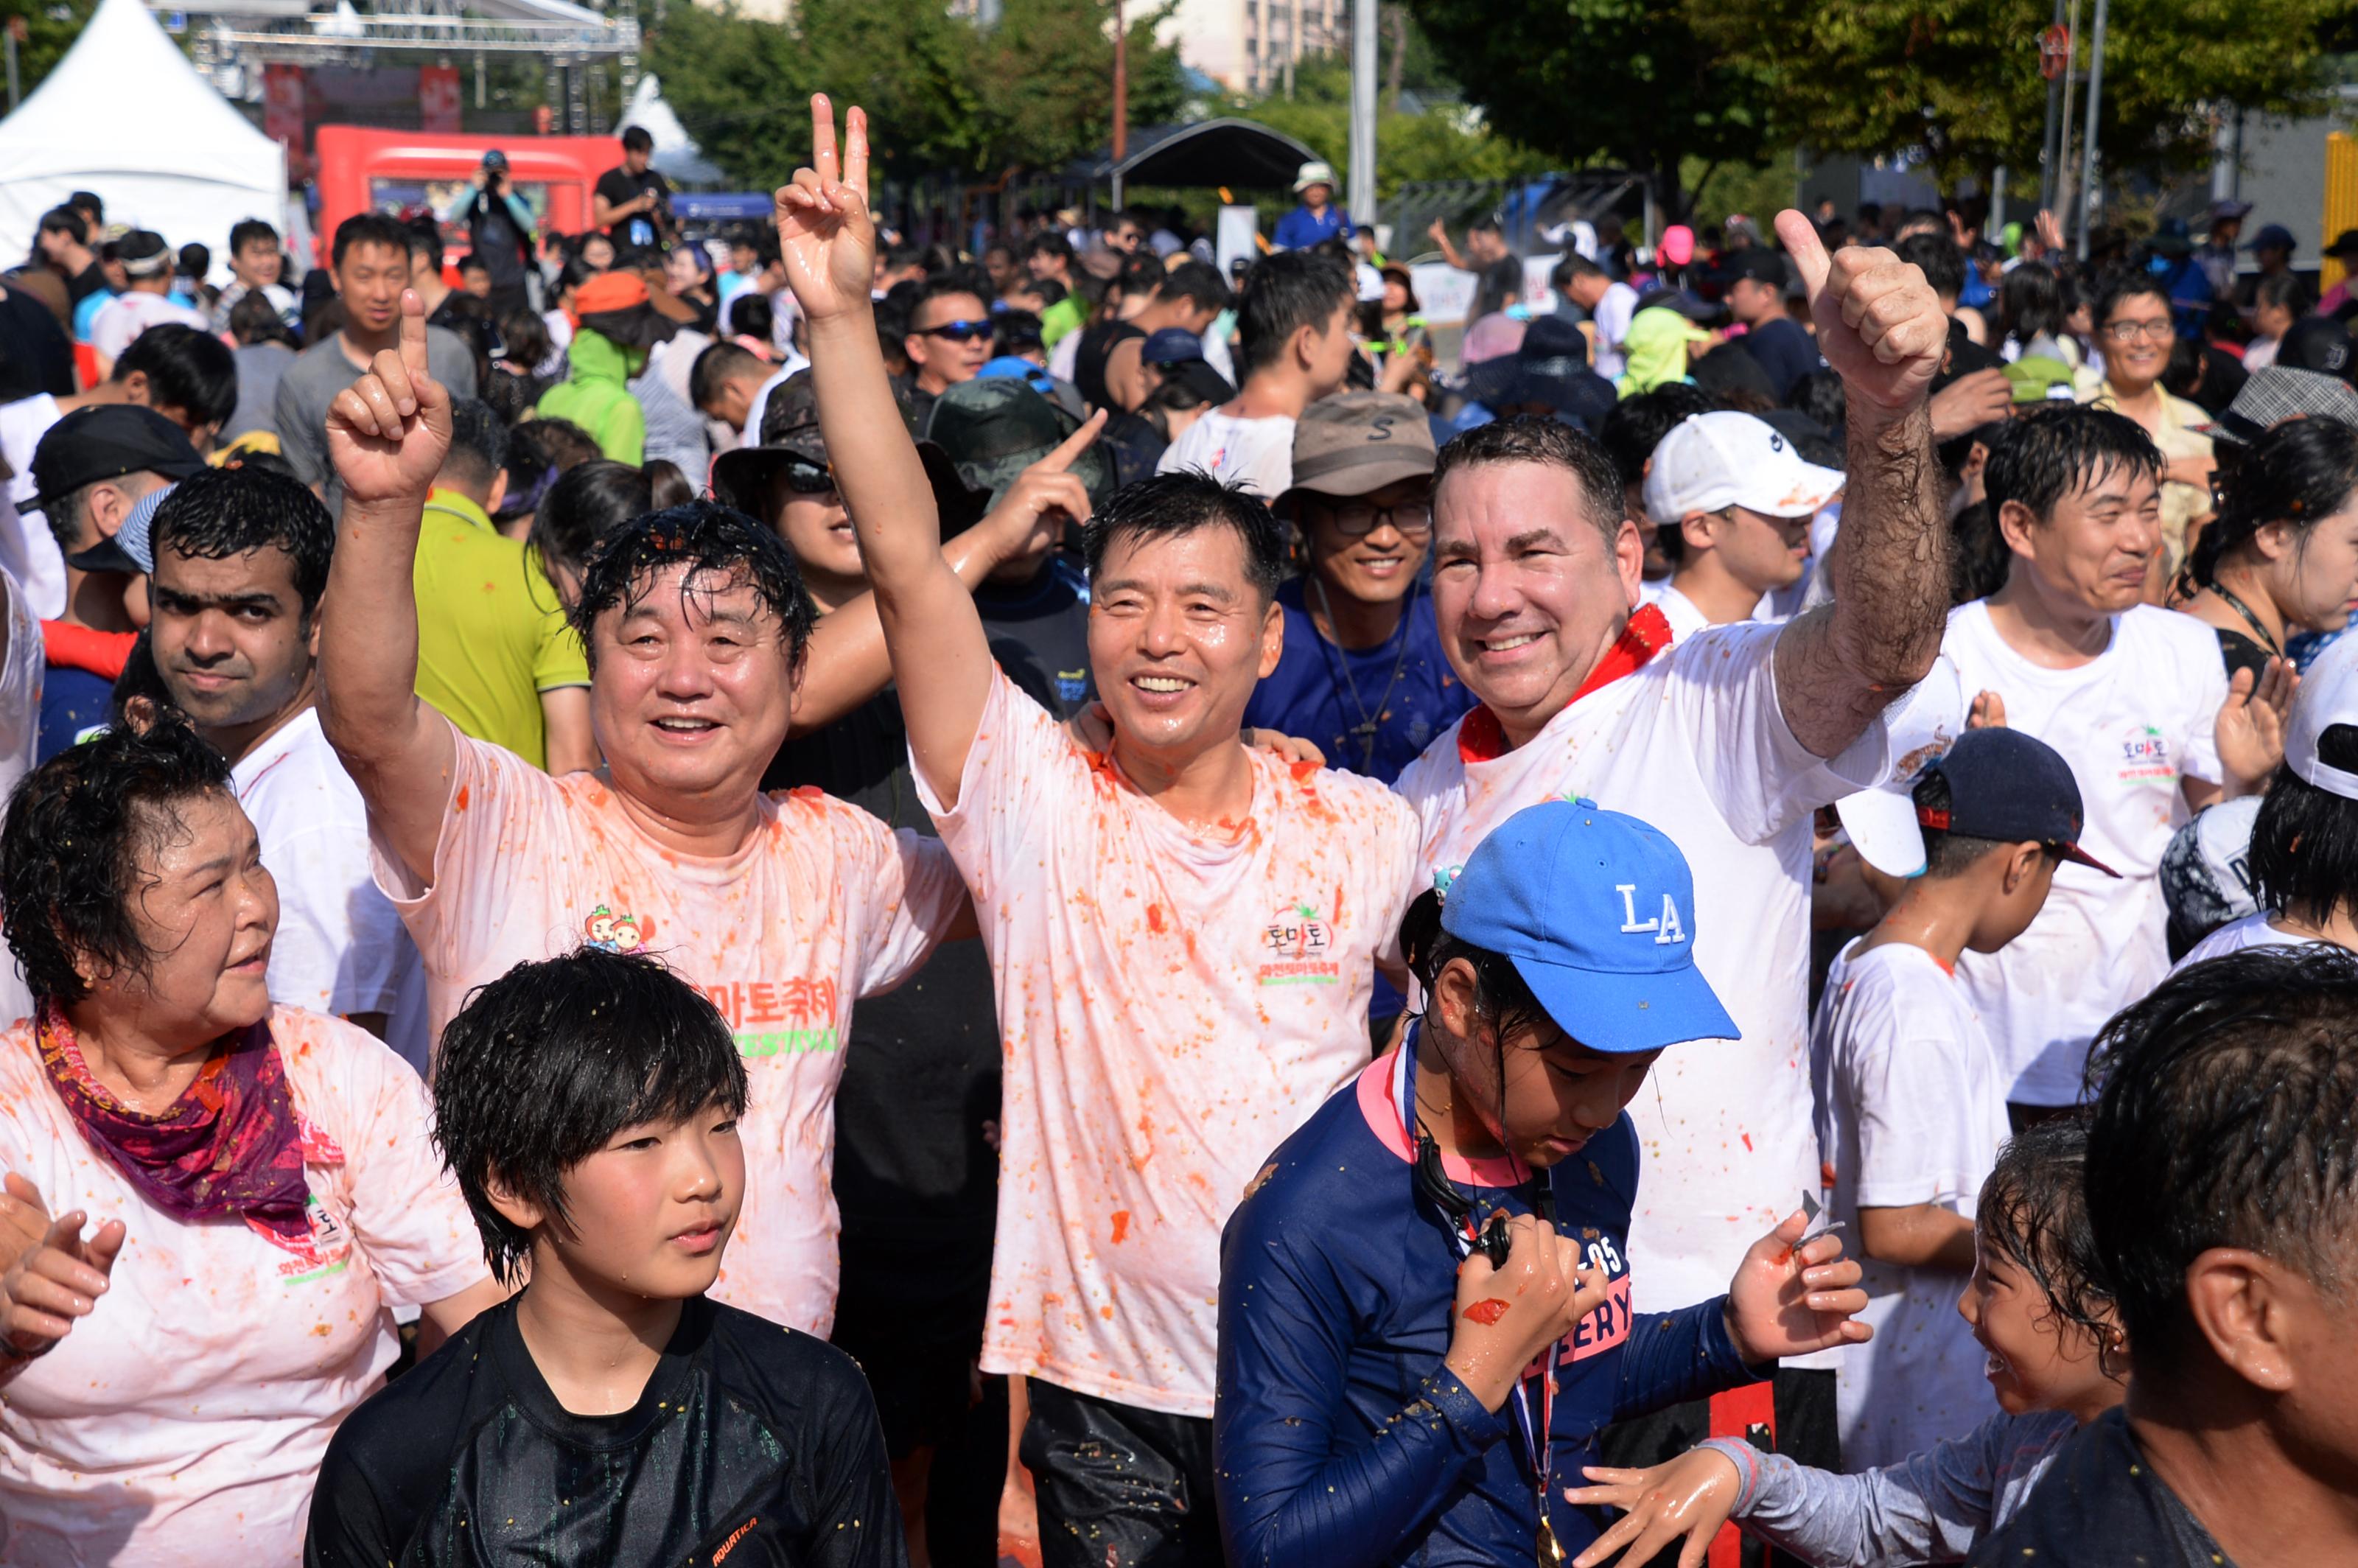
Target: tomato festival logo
{"points": [[612, 933], [2145, 754], [1299, 949]]}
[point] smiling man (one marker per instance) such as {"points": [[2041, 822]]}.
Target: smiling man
{"points": [[1729, 741], [241, 559], [1183, 932], [781, 909]]}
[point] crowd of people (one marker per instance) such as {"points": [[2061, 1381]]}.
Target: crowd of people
{"points": [[809, 900]]}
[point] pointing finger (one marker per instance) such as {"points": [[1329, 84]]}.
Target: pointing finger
{"points": [[413, 332], [1808, 251], [1070, 450]]}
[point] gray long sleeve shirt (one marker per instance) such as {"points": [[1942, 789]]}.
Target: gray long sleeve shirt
{"points": [[1931, 1508]]}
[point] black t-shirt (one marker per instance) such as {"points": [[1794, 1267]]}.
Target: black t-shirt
{"points": [[1098, 344], [619, 185], [2100, 1505], [1785, 351], [751, 1442], [914, 1173], [36, 355]]}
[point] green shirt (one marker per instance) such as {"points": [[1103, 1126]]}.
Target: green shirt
{"points": [[492, 633]]}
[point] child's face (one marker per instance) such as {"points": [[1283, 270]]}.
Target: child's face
{"points": [[652, 1211], [2037, 1360]]}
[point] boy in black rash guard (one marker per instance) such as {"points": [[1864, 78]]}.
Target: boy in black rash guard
{"points": [[609, 1415]]}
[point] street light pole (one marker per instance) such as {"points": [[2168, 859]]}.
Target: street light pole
{"points": [[1120, 99], [2087, 139], [2051, 163], [1363, 113]]}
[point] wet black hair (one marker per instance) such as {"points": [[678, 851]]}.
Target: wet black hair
{"points": [[2227, 1116], [2032, 1210], [545, 1064], [715, 542], [1535, 438], [1282, 295], [2298, 473], [215, 513], [2303, 859], [1979, 560], [186, 369], [1500, 994], [2041, 457], [80, 830], [1170, 505]]}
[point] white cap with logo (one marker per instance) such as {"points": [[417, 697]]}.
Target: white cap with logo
{"points": [[1712, 461], [2328, 695]]}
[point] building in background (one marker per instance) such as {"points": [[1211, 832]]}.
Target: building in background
{"points": [[1247, 46]]}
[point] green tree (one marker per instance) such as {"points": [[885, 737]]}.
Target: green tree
{"points": [[1958, 80], [50, 30], [1588, 81], [1447, 141]]}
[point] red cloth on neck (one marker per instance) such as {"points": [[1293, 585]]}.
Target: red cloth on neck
{"points": [[1480, 736]]}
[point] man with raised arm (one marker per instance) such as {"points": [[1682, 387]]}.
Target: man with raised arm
{"points": [[1729, 741], [1183, 932], [783, 909]]}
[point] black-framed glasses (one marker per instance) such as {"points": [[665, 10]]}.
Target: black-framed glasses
{"points": [[1357, 519], [957, 331], [2155, 331], [805, 477]]}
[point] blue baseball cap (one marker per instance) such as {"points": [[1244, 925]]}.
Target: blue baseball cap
{"points": [[1170, 345], [1596, 910]]}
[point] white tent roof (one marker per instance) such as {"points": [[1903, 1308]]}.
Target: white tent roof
{"points": [[124, 114], [675, 154]]}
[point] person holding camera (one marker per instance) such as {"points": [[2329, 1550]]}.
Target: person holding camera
{"points": [[499, 230], [633, 202]]}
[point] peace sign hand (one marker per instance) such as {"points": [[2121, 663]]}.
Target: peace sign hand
{"points": [[827, 238], [389, 431], [1879, 324]]}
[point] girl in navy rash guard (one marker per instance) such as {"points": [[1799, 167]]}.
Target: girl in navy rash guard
{"points": [[1424, 1300]]}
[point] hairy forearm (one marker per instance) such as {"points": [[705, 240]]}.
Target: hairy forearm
{"points": [[367, 632], [1891, 572]]}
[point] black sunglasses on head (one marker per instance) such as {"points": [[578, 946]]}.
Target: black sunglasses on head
{"points": [[957, 331]]}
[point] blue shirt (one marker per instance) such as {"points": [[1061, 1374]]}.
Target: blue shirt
{"points": [[1340, 1438], [71, 701], [1309, 695], [1300, 229]]}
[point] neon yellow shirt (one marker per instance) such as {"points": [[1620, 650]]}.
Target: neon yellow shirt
{"points": [[491, 634]]}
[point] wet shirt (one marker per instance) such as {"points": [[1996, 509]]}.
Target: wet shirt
{"points": [[822, 904], [1342, 1439], [2101, 1505], [180, 1423], [752, 1445], [1173, 1004]]}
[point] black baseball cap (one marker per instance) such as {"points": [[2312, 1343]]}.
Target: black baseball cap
{"points": [[106, 441], [2011, 788], [1758, 263]]}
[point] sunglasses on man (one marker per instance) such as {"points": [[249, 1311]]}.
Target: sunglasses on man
{"points": [[957, 331]]}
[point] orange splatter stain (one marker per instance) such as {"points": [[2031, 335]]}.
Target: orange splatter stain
{"points": [[1120, 1226], [1106, 1312], [1154, 918], [1486, 1311], [1301, 770], [462, 801], [1747, 1141]]}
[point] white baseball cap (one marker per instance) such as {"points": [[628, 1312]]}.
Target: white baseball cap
{"points": [[1881, 822], [2328, 695], [1711, 461], [1317, 171]]}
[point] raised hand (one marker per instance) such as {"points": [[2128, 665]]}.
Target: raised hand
{"points": [[1031, 516], [54, 1282], [1788, 1299], [388, 432], [1989, 712], [2250, 731], [1687, 1499], [827, 238], [1879, 324]]}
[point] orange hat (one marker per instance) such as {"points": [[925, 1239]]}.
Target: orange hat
{"points": [[610, 291]]}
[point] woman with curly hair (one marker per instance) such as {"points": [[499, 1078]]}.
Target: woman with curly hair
{"points": [[242, 1193]]}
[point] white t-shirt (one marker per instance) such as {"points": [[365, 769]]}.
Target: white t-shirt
{"points": [[181, 1425], [1612, 320], [22, 425], [341, 946], [822, 905], [1685, 618], [1694, 743], [1174, 1006], [20, 731], [1255, 453], [2251, 931], [125, 315], [1911, 1110], [2134, 723]]}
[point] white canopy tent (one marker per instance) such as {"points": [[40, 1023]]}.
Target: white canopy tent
{"points": [[125, 115], [677, 155]]}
